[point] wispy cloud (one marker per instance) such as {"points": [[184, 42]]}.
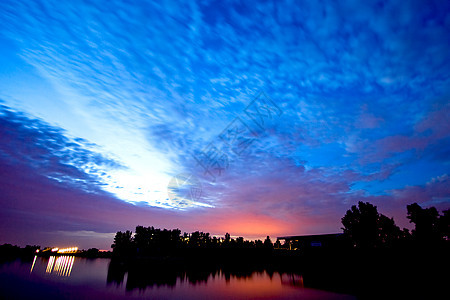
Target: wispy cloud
{"points": [[133, 91]]}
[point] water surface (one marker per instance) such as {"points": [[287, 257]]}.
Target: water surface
{"points": [[69, 277]]}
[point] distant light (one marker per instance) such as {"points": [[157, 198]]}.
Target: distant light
{"points": [[55, 249], [37, 250], [68, 250]]}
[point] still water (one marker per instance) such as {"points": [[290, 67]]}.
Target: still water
{"points": [[69, 277]]}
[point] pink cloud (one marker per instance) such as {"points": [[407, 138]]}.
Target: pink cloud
{"points": [[429, 130], [368, 121], [437, 122]]}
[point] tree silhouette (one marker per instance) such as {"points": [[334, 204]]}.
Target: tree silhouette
{"points": [[388, 232], [227, 238], [240, 242], [368, 228], [92, 252], [268, 243], [360, 224], [444, 225], [277, 244], [429, 226], [123, 243], [144, 239]]}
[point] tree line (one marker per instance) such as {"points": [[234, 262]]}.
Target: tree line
{"points": [[363, 227], [151, 240]]}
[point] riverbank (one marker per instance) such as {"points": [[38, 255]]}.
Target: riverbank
{"points": [[407, 272], [11, 252]]}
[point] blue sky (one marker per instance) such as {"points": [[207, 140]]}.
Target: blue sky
{"points": [[111, 100]]}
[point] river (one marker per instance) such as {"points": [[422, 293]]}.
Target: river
{"points": [[69, 277]]}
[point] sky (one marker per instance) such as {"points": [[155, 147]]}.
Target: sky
{"points": [[249, 117]]}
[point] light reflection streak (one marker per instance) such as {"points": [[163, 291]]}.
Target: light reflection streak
{"points": [[32, 266], [56, 267], [51, 261], [61, 266], [70, 267], [65, 266]]}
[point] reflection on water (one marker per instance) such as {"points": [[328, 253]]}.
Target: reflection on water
{"points": [[32, 265], [292, 280], [59, 266], [81, 278], [237, 281]]}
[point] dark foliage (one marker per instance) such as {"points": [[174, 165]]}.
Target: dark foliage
{"points": [[367, 228], [430, 227], [150, 241]]}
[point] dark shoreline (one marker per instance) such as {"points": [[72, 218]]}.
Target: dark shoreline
{"points": [[411, 271], [414, 273]]}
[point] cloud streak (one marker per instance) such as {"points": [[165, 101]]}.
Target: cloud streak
{"points": [[112, 101]]}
